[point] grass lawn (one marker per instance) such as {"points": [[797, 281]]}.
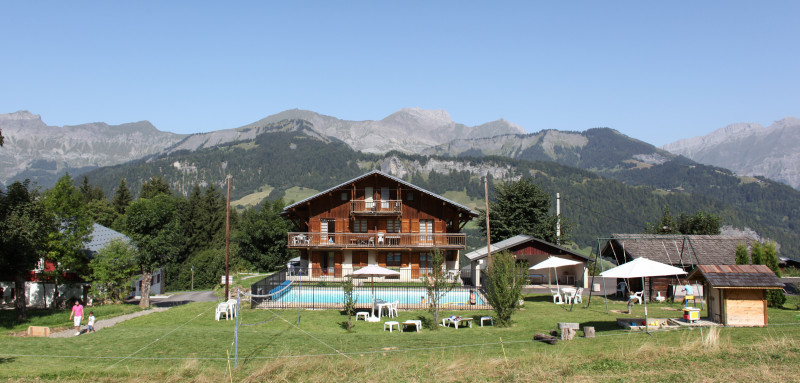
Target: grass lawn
{"points": [[185, 343]]}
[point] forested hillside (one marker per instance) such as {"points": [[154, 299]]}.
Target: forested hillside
{"points": [[595, 206]]}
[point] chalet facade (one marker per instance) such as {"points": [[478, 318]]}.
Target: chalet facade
{"points": [[533, 250], [376, 219]]}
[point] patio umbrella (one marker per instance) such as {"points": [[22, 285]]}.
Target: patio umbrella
{"points": [[373, 271], [553, 262], [641, 268]]}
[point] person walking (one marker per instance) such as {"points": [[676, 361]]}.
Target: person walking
{"points": [[76, 315]]}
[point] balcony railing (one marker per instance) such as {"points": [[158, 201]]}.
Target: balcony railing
{"points": [[377, 240], [385, 206]]}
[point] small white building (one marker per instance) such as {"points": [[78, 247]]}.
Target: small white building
{"points": [[157, 284]]}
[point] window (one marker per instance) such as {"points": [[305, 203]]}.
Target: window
{"points": [[426, 227], [393, 259], [360, 226], [344, 196], [393, 226], [425, 260], [410, 196]]}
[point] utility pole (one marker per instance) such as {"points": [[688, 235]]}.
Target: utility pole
{"points": [[192, 277], [558, 218], [227, 237], [488, 231]]}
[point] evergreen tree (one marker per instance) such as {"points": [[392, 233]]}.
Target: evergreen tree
{"points": [[757, 254], [122, 197], [665, 226], [775, 298], [90, 192], [742, 258], [154, 186], [520, 208]]}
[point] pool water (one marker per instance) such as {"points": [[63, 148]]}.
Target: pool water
{"points": [[364, 295]]}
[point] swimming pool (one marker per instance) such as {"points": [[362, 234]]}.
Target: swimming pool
{"points": [[406, 296]]}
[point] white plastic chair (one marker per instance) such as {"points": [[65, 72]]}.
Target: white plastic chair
{"points": [[660, 298], [231, 307], [622, 288], [393, 309], [380, 238], [557, 299], [578, 296], [636, 296], [222, 308]]}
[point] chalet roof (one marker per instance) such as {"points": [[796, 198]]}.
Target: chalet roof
{"points": [[322, 193], [677, 250], [737, 276], [514, 241], [101, 236]]}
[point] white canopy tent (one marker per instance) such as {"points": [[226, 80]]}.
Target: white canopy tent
{"points": [[553, 262], [641, 268]]}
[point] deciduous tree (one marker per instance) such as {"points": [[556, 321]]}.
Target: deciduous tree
{"points": [[155, 231], [112, 269], [436, 284], [25, 226], [261, 236], [504, 280], [66, 244]]}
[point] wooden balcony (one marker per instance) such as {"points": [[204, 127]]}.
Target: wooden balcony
{"points": [[376, 207], [455, 241]]}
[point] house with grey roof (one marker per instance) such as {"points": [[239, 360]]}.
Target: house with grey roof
{"points": [[531, 250]]}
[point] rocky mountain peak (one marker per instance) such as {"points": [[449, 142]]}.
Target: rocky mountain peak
{"points": [[20, 115], [423, 117]]}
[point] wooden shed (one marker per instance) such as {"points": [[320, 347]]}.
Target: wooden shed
{"points": [[736, 294]]}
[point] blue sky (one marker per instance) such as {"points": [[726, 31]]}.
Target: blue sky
{"points": [[656, 71]]}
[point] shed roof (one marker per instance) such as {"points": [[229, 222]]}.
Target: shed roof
{"points": [[514, 241], [737, 276], [676, 250]]}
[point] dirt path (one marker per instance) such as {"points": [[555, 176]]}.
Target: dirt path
{"points": [[103, 323], [159, 305]]}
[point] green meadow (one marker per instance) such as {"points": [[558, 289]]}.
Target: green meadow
{"points": [[185, 343]]}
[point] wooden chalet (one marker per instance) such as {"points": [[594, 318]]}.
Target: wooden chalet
{"points": [[533, 250], [376, 219], [737, 293], [682, 251]]}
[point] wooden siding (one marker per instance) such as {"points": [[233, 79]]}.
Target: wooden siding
{"points": [[745, 307]]}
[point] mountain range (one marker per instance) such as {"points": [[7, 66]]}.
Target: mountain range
{"points": [[623, 183], [749, 149]]}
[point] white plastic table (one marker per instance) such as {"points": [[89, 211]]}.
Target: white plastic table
{"points": [[390, 324]]}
